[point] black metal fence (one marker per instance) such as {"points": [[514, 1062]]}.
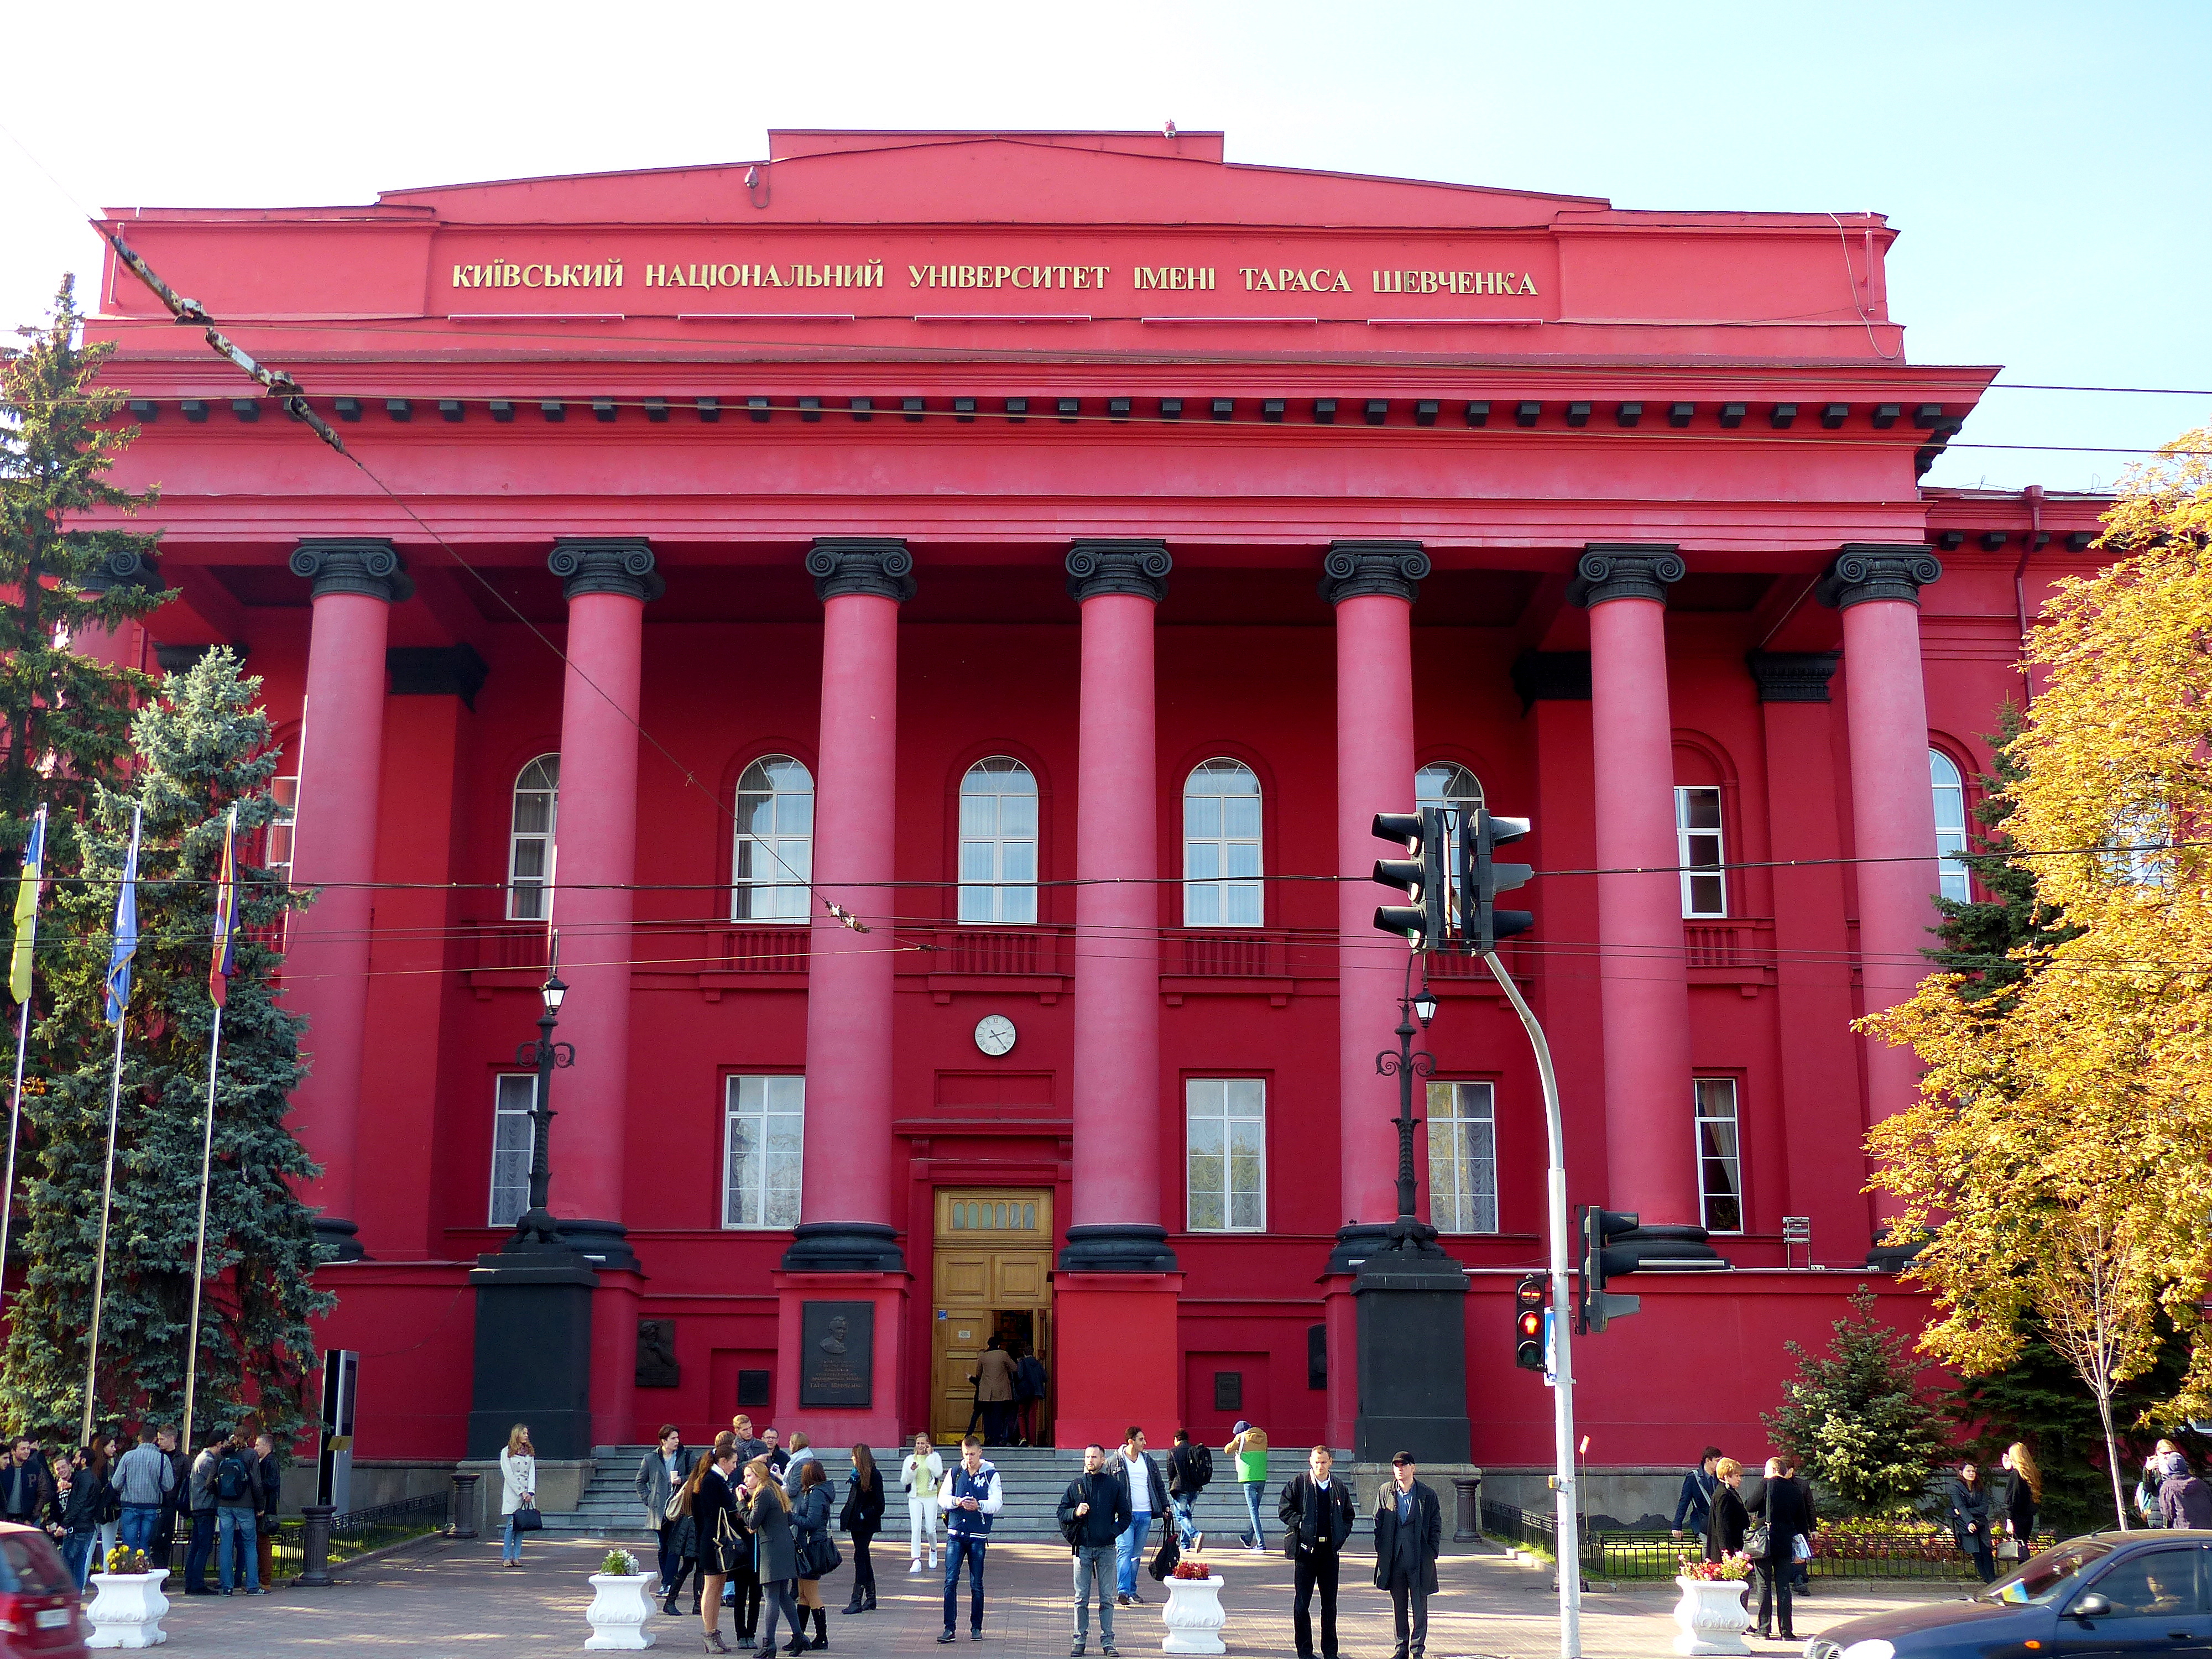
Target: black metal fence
{"points": [[1836, 1554], [427, 1513]]}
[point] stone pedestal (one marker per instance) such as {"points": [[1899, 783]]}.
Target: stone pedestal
{"points": [[1411, 1308], [533, 1352]]}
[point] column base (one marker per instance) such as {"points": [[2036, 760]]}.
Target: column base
{"points": [[841, 1339], [1117, 1357], [1410, 1311], [844, 1247], [338, 1241], [1361, 1240], [533, 1351], [1117, 1248], [603, 1243]]}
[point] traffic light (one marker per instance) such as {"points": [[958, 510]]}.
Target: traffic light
{"points": [[1528, 1322], [1603, 1257], [1487, 879], [1420, 876]]}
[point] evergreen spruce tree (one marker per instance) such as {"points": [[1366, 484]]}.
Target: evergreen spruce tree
{"points": [[201, 746], [1856, 1416], [64, 718]]}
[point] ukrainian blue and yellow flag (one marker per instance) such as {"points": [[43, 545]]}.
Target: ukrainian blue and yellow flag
{"points": [[224, 963], [126, 933], [26, 910]]}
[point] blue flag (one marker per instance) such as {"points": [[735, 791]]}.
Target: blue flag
{"points": [[126, 933]]}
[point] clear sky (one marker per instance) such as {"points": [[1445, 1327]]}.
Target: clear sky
{"points": [[2049, 166]]}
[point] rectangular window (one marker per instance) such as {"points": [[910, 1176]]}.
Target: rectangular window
{"points": [[764, 1120], [1227, 1168], [1463, 1157], [1719, 1155], [1697, 850], [514, 1096]]}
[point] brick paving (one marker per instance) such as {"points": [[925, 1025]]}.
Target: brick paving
{"points": [[443, 1600]]}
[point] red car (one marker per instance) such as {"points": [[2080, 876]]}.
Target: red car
{"points": [[38, 1598]]}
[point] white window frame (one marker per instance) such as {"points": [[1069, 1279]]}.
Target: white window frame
{"points": [[532, 901], [1699, 863], [785, 855], [2138, 846], [513, 1096], [998, 893], [1948, 787], [1464, 1112], [1706, 1112], [766, 1098], [1221, 889], [1215, 1103]]}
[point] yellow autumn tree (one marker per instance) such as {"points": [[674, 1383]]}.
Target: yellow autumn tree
{"points": [[2059, 1162]]}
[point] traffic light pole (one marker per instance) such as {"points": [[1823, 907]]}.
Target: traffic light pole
{"points": [[1563, 1303]]}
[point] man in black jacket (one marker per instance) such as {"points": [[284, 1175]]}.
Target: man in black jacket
{"points": [[1409, 1531], [1788, 1515], [26, 1489], [1316, 1512], [1092, 1512], [1189, 1467]]}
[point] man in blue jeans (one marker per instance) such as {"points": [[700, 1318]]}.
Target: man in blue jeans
{"points": [[971, 1497], [144, 1480], [1148, 1497], [237, 1487]]}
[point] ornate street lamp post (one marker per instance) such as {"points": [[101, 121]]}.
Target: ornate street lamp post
{"points": [[537, 1229], [1409, 1232]]}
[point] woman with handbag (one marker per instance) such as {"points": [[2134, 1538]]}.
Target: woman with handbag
{"points": [[518, 1494], [713, 1516], [2023, 1496], [816, 1551], [1782, 1508], [862, 1517], [1970, 1520], [1726, 1520], [776, 1554]]}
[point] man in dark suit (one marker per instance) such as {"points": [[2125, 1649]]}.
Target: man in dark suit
{"points": [[1317, 1515], [1409, 1532]]}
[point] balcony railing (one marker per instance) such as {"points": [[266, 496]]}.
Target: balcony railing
{"points": [[1738, 945]]}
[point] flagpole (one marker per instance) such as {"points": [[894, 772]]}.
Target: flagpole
{"points": [[22, 1047], [107, 1181], [199, 1248]]}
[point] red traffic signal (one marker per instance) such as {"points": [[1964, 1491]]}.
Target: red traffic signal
{"points": [[1528, 1322]]}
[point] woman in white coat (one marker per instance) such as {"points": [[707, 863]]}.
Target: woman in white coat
{"points": [[920, 1475], [518, 1474]]}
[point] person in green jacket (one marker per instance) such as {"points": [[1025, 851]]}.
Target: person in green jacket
{"points": [[1249, 1446]]}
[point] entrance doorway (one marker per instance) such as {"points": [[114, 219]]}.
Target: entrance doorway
{"points": [[992, 1273]]}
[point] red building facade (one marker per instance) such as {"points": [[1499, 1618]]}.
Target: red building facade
{"points": [[928, 618]]}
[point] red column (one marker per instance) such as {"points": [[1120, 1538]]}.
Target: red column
{"points": [[122, 646], [1373, 586], [846, 1248], [1644, 983], [1117, 1285], [334, 848], [1893, 809]]}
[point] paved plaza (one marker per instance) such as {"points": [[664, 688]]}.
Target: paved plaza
{"points": [[439, 1598]]}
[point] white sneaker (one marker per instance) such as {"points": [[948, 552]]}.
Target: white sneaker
{"points": [[915, 1565], [933, 1559]]}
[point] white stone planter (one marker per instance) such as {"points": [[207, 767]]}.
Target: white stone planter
{"points": [[618, 1613], [1194, 1616], [127, 1609], [1711, 1617]]}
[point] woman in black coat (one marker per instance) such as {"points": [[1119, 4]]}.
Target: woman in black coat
{"points": [[1970, 1520], [810, 1522], [1729, 1519], [714, 1513], [862, 1517], [2023, 1496], [776, 1554]]}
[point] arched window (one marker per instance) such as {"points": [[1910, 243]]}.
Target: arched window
{"points": [[1221, 885], [1950, 793], [1447, 783], [530, 842], [772, 855], [997, 841]]}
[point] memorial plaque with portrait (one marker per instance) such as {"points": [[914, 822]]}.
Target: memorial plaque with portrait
{"points": [[836, 1353]]}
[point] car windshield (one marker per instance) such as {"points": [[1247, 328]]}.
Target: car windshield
{"points": [[29, 1566], [2045, 1576]]}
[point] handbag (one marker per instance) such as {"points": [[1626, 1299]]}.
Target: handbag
{"points": [[526, 1518], [1800, 1548], [1164, 1557], [2008, 1550], [1757, 1541], [819, 1557]]}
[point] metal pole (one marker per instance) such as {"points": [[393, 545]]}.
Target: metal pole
{"points": [[199, 1248], [100, 1264], [1564, 1484]]}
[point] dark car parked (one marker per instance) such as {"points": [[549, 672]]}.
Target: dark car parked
{"points": [[2106, 1596]]}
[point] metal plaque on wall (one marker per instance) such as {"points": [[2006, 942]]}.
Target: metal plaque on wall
{"points": [[836, 1353]]}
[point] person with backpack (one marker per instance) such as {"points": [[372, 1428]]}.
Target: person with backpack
{"points": [[1030, 1380], [1093, 1511], [1249, 1446], [200, 1488], [1190, 1466], [236, 1484]]}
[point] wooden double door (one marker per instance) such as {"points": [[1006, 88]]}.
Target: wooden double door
{"points": [[992, 1274]]}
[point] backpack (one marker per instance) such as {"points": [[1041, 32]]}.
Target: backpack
{"points": [[233, 1485], [1071, 1529], [1201, 1463]]}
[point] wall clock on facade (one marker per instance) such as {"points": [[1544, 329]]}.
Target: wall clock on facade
{"points": [[994, 1034]]}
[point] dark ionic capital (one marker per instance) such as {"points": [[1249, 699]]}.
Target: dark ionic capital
{"points": [[1354, 570], [370, 569], [1552, 677], [125, 568], [1138, 567], [606, 564], [861, 564], [1793, 676], [1876, 570], [1625, 570]]}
